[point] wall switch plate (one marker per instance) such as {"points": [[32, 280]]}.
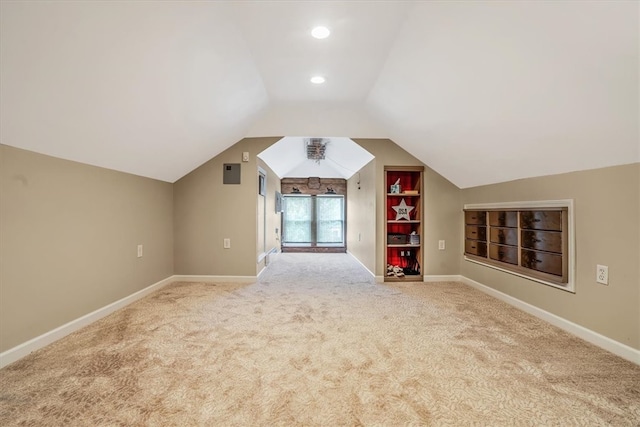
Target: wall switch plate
{"points": [[602, 274], [441, 245], [226, 243], [245, 156], [139, 251]]}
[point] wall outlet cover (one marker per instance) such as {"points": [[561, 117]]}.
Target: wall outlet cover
{"points": [[602, 274]]}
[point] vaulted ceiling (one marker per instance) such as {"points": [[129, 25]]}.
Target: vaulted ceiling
{"points": [[480, 91]]}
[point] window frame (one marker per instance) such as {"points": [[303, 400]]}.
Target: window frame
{"points": [[314, 222]]}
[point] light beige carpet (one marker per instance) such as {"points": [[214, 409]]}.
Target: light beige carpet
{"points": [[316, 342]]}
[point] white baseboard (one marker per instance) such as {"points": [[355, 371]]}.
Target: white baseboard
{"points": [[443, 278], [432, 278], [363, 266], [615, 347], [213, 279], [22, 350]]}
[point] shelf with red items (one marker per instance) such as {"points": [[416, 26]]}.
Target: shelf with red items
{"points": [[407, 180], [403, 223]]}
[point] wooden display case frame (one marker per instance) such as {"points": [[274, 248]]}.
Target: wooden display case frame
{"points": [[411, 185]]}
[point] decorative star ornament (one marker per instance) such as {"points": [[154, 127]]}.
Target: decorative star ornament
{"points": [[402, 210]]}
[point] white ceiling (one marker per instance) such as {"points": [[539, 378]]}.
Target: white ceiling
{"points": [[481, 91], [288, 158]]}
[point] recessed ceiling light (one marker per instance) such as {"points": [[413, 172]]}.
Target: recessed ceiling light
{"points": [[317, 80], [320, 32]]}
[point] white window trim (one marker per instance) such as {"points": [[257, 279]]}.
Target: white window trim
{"points": [[262, 198]]}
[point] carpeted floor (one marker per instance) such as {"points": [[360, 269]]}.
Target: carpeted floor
{"points": [[316, 342]]}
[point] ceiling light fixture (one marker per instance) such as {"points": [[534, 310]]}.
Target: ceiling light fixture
{"points": [[316, 148], [320, 32], [317, 80]]}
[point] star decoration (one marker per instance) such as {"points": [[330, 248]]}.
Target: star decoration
{"points": [[402, 210]]}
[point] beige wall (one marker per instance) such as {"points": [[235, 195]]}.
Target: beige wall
{"points": [[441, 209], [69, 232], [442, 218], [68, 240], [361, 215], [607, 230], [206, 211]]}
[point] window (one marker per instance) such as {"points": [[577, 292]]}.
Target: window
{"points": [[313, 220], [529, 239], [330, 219], [297, 218]]}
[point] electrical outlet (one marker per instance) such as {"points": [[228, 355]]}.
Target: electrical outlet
{"points": [[226, 243], [441, 245], [401, 253], [139, 251], [408, 253], [602, 274]]}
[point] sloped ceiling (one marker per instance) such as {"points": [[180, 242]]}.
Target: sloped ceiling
{"points": [[482, 92], [288, 158]]}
